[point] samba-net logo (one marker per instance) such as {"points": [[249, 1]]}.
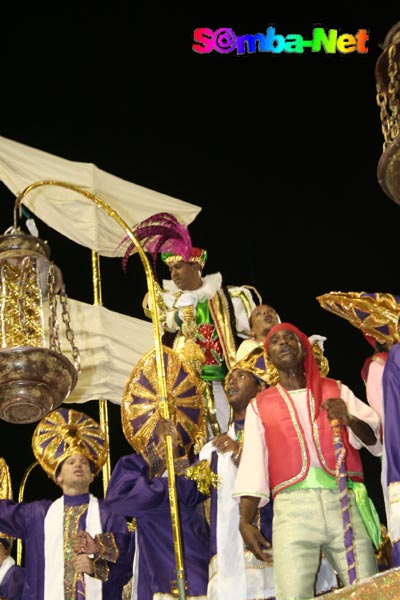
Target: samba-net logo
{"points": [[225, 41]]}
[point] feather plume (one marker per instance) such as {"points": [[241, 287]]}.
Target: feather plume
{"points": [[162, 232]]}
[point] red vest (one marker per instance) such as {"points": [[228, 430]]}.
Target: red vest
{"points": [[288, 454]]}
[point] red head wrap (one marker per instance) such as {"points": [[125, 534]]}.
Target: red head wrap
{"points": [[311, 370]]}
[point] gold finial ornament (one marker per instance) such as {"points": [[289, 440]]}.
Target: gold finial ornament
{"points": [[5, 481], [190, 350], [321, 360], [194, 358]]}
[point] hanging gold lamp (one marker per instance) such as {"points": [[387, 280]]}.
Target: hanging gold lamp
{"points": [[35, 377]]}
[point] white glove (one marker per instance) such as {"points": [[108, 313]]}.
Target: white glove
{"points": [[186, 299], [317, 339]]}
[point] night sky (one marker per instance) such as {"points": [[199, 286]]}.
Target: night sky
{"points": [[279, 149]]}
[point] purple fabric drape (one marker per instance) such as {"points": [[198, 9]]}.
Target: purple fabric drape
{"points": [[133, 494], [391, 427]]}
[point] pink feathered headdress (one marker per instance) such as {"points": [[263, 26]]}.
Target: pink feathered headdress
{"points": [[162, 232]]}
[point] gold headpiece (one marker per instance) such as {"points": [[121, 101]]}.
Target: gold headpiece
{"points": [[256, 362], [197, 255], [374, 314], [5, 494], [64, 432]]}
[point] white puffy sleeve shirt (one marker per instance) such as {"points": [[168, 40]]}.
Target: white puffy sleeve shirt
{"points": [[252, 477]]}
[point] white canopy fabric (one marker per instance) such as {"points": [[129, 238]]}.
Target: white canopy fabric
{"points": [[72, 214], [109, 343]]}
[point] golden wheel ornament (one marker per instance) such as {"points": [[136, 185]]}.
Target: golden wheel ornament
{"points": [[140, 407]]}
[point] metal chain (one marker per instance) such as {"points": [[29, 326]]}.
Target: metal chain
{"points": [[68, 329], [53, 323], [54, 338], [389, 101], [393, 88], [381, 100]]}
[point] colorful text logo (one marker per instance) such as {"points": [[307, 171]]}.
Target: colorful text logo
{"points": [[225, 41]]}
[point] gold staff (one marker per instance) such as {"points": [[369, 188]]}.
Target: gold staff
{"points": [[151, 285], [103, 407]]}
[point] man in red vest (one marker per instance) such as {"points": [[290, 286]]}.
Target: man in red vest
{"points": [[289, 455]]}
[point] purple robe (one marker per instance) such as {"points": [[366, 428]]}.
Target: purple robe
{"points": [[132, 494], [25, 520], [13, 582], [391, 429]]}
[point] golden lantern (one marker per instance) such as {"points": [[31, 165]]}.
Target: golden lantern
{"points": [[35, 377]]}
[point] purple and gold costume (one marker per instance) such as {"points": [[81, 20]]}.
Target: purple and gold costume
{"points": [[12, 582], [391, 444], [26, 521], [133, 494]]}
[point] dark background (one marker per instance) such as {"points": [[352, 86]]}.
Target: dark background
{"points": [[280, 151]]}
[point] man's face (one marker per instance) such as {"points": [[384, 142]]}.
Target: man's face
{"points": [[241, 386], [75, 474], [285, 350], [185, 275], [263, 318]]}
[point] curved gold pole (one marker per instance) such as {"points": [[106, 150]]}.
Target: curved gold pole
{"points": [[20, 498], [103, 416], [103, 407], [159, 359]]}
